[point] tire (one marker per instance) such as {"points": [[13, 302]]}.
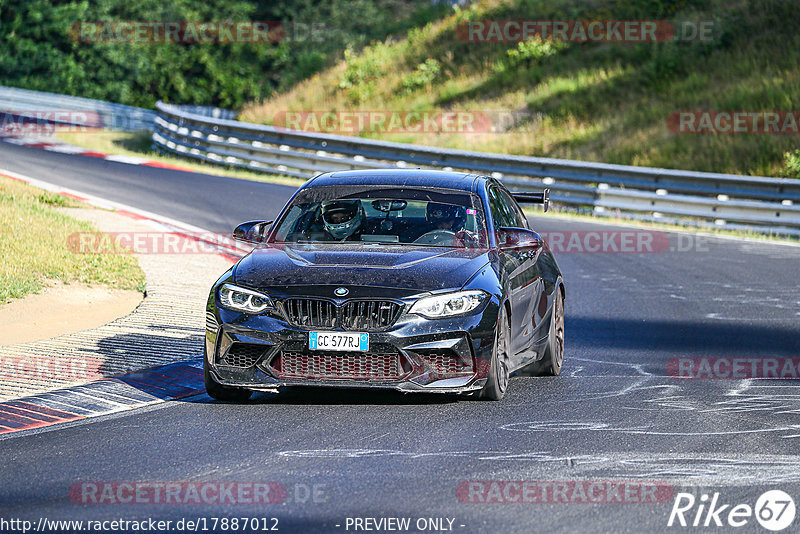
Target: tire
{"points": [[550, 364], [219, 392], [497, 384]]}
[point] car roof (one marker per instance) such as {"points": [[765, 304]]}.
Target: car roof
{"points": [[398, 177]]}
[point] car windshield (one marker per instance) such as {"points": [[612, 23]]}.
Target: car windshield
{"points": [[388, 216]]}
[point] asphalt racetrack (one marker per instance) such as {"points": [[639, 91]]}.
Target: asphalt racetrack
{"points": [[651, 395]]}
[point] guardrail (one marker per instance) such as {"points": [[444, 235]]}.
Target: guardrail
{"points": [[764, 204], [99, 114], [708, 199]]}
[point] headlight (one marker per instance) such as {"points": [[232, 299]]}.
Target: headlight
{"points": [[244, 300], [449, 304]]}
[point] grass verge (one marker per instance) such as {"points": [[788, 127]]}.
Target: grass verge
{"points": [[34, 246]]}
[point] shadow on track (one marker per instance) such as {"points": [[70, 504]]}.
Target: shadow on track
{"points": [[679, 338], [349, 397]]}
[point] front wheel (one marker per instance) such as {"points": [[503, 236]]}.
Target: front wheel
{"points": [[550, 364], [496, 385], [219, 392]]}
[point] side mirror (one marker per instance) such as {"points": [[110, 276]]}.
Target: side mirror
{"points": [[251, 232], [519, 239]]}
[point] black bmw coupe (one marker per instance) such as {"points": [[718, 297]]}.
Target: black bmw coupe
{"points": [[417, 281]]}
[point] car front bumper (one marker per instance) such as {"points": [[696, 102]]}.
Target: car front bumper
{"points": [[420, 346]]}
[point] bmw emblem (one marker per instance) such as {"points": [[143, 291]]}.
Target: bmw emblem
{"points": [[341, 291]]}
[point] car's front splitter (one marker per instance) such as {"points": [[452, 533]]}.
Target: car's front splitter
{"points": [[268, 383]]}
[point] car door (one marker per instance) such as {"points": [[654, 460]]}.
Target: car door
{"points": [[531, 289], [518, 270]]}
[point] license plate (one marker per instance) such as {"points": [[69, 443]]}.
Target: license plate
{"points": [[342, 341]]}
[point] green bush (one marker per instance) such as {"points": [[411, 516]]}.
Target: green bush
{"points": [[42, 49], [422, 76], [527, 52], [359, 77], [791, 165]]}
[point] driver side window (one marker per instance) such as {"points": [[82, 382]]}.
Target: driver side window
{"points": [[502, 214], [520, 221]]}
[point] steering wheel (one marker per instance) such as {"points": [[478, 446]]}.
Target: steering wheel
{"points": [[436, 237]]}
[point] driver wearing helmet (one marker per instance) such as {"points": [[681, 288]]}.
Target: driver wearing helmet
{"points": [[451, 218], [342, 219], [445, 216]]}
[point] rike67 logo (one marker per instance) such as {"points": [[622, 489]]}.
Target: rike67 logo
{"points": [[774, 510]]}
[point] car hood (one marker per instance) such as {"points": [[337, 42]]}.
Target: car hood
{"points": [[358, 265]]}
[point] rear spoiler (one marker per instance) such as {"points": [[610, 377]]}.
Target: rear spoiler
{"points": [[529, 197]]}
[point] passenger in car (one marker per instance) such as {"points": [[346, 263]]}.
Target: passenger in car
{"points": [[445, 217]]}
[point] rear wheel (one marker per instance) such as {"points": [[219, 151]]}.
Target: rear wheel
{"points": [[550, 364], [497, 383], [219, 392]]}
